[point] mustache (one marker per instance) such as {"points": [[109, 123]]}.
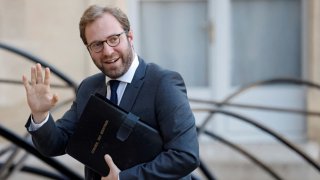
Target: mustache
{"points": [[112, 57]]}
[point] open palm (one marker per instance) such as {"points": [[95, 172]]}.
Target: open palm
{"points": [[39, 96]]}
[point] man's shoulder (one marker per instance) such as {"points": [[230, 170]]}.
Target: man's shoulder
{"points": [[156, 71], [98, 77], [93, 80]]}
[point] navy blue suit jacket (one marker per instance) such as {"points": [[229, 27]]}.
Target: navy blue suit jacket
{"points": [[159, 98]]}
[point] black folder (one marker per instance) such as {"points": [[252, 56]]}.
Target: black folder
{"points": [[105, 128]]}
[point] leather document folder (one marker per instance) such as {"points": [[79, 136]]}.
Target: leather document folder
{"points": [[105, 128]]}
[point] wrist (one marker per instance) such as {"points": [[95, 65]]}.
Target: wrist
{"points": [[39, 117]]}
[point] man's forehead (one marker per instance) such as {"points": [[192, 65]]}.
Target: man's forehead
{"points": [[103, 27]]}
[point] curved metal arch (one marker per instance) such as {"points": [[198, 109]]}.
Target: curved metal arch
{"points": [[28, 147], [201, 130], [226, 101], [37, 171], [266, 130], [30, 57], [291, 81], [255, 160]]}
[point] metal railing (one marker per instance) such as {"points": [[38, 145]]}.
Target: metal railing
{"points": [[217, 109]]}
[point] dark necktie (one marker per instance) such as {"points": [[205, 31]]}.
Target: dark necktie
{"points": [[114, 86]]}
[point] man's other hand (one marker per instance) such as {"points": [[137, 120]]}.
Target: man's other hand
{"points": [[114, 170]]}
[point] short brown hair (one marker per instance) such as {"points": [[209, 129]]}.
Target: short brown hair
{"points": [[95, 11]]}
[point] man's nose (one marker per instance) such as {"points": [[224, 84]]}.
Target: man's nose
{"points": [[107, 50]]}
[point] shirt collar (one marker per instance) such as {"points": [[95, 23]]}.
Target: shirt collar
{"points": [[128, 76]]}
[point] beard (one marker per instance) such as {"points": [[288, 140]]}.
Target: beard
{"points": [[115, 71]]}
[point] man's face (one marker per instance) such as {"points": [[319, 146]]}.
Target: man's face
{"points": [[112, 61]]}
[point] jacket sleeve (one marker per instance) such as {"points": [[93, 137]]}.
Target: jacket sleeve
{"points": [[52, 137]]}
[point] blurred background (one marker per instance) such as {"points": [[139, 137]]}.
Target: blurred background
{"points": [[252, 69]]}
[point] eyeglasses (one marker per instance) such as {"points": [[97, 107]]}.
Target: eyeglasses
{"points": [[112, 41]]}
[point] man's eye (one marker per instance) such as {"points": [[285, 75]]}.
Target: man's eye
{"points": [[97, 44], [113, 39]]}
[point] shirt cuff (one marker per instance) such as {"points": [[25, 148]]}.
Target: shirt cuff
{"points": [[34, 126]]}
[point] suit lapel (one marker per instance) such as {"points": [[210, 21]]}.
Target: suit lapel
{"points": [[132, 89], [102, 87]]}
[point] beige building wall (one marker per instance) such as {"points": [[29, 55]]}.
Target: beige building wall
{"points": [[46, 29], [314, 69]]}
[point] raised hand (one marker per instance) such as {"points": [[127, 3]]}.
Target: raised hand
{"points": [[39, 96]]}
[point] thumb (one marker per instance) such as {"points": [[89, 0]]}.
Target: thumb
{"points": [[54, 99], [109, 161], [114, 170]]}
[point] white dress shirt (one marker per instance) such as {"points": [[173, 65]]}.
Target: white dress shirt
{"points": [[124, 79]]}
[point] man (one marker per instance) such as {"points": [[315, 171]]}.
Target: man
{"points": [[156, 95]]}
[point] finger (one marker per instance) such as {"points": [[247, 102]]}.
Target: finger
{"points": [[25, 82], [47, 76], [110, 162], [39, 73], [33, 75], [54, 99]]}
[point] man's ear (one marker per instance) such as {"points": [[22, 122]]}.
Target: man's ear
{"points": [[130, 37]]}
